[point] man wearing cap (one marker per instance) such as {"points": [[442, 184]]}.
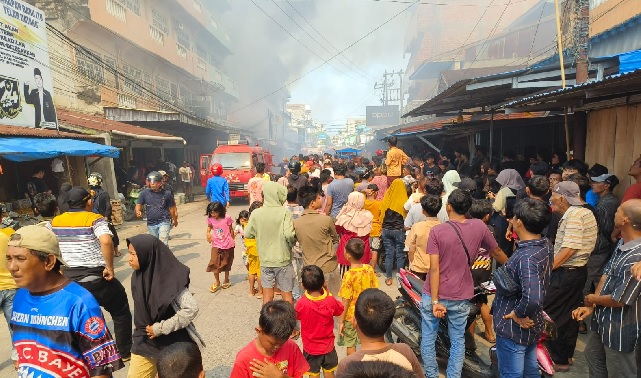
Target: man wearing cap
{"points": [[7, 284], [58, 327], [41, 100], [607, 206], [327, 164], [87, 247], [597, 170], [165, 182], [575, 240]]}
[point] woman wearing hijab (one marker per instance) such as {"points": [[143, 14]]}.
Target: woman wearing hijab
{"points": [[353, 221], [450, 182], [163, 306], [393, 236], [511, 182]]}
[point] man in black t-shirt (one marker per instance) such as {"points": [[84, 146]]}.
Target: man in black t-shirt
{"points": [[36, 184], [162, 213]]}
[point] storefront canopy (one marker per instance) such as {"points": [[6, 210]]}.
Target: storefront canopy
{"points": [[27, 149]]}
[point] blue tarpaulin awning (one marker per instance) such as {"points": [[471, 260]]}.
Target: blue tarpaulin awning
{"points": [[27, 149]]}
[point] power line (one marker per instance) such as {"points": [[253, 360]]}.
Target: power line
{"points": [[315, 40], [443, 4], [326, 61], [329, 42], [300, 42]]}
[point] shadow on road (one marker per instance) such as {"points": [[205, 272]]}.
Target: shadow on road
{"points": [[218, 372], [183, 246]]}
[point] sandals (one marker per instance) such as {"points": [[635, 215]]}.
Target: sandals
{"points": [[226, 285], [389, 281], [214, 288]]}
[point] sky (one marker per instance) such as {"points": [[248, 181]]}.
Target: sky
{"points": [[270, 49]]}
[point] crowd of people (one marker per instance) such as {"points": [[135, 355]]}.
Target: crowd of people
{"points": [[551, 234]]}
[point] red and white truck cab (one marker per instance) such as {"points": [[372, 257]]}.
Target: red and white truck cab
{"points": [[239, 161]]}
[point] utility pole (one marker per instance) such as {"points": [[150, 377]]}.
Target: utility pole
{"points": [[388, 87], [581, 35], [385, 96]]}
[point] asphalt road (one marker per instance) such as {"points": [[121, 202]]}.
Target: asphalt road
{"points": [[227, 319]]}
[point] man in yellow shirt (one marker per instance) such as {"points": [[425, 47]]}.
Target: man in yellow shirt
{"points": [[394, 160], [8, 286]]}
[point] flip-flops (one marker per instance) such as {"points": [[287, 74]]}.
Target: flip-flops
{"points": [[226, 285], [214, 288]]}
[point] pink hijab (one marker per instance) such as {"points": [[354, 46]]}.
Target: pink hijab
{"points": [[353, 218]]}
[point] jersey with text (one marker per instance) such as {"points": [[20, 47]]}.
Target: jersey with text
{"points": [[62, 334]]}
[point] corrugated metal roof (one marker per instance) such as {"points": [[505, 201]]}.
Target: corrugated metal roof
{"points": [[437, 125], [18, 131], [573, 88], [104, 125]]}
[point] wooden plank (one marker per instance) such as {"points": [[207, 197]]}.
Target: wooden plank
{"points": [[624, 145]]}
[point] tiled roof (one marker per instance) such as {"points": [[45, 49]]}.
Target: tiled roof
{"points": [[103, 124], [18, 131]]}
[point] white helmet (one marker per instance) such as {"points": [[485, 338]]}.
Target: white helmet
{"points": [[94, 179]]}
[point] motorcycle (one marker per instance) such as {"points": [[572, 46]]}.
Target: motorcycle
{"points": [[546, 365], [129, 203], [406, 326], [15, 221]]}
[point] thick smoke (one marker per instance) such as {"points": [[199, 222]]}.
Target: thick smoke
{"points": [[266, 57]]}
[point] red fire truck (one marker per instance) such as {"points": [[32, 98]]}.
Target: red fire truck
{"points": [[239, 161]]}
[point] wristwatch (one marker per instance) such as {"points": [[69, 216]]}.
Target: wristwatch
{"points": [[435, 302]]}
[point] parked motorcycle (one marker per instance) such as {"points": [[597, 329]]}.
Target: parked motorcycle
{"points": [[15, 221], [129, 203], [406, 326], [546, 365]]}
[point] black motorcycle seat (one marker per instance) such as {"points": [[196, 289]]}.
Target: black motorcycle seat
{"points": [[417, 283]]}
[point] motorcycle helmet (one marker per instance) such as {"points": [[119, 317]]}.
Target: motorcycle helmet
{"points": [[94, 179], [216, 169], [154, 176], [294, 167]]}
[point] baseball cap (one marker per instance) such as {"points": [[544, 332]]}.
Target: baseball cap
{"points": [[610, 179], [327, 161], [570, 191], [466, 184], [163, 173], [37, 238], [597, 170], [78, 194]]}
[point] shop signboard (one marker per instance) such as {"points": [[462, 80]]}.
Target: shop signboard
{"points": [[26, 84], [382, 115]]}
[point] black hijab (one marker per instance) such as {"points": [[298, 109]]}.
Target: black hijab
{"points": [[159, 281]]}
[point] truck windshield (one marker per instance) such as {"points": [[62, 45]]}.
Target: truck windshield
{"points": [[233, 160]]}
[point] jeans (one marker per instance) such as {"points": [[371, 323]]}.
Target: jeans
{"points": [[112, 297], [394, 242], [6, 301], [603, 361], [516, 360], [457, 312], [161, 231]]}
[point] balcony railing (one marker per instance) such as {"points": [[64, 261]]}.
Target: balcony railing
{"points": [[182, 52], [201, 64], [125, 101], [157, 35], [117, 10]]}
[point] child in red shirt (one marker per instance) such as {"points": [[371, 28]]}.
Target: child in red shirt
{"points": [[272, 353], [316, 310]]}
